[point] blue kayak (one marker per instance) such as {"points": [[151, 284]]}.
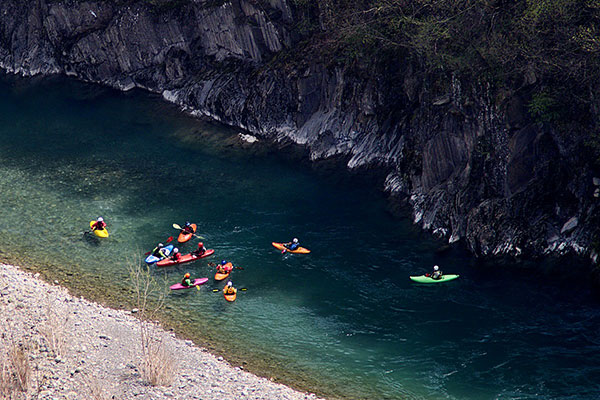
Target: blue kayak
{"points": [[152, 259]]}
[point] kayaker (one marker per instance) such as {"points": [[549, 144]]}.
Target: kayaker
{"points": [[200, 250], [158, 251], [229, 289], [293, 245], [175, 256], [187, 228], [223, 268], [187, 281], [99, 224], [437, 274]]}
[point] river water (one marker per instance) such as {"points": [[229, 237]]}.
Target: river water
{"points": [[344, 321]]}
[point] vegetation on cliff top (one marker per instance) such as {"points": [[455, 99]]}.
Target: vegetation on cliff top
{"points": [[550, 47]]}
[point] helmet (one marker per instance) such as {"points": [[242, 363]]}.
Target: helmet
{"points": [[223, 262], [175, 250], [295, 240], [187, 223], [100, 219], [200, 244], [187, 275], [436, 268], [161, 245], [229, 284]]}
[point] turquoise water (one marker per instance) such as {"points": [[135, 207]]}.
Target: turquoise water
{"points": [[344, 320]]}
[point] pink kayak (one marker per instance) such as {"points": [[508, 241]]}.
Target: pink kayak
{"points": [[197, 282]]}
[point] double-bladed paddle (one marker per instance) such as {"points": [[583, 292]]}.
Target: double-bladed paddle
{"points": [[176, 226]]}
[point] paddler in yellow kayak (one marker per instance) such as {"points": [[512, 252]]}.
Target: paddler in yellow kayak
{"points": [[229, 289], [98, 225]]}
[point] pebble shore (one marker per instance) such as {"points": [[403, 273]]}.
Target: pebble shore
{"points": [[96, 353]]}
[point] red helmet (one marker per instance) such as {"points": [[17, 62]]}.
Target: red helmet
{"points": [[187, 275], [200, 244]]}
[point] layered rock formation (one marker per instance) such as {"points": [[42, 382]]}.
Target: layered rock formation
{"points": [[471, 163]]}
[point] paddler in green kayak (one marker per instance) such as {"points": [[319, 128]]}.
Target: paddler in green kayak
{"points": [[436, 274]]}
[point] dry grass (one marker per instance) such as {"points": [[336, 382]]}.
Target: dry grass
{"points": [[158, 365], [95, 388], [15, 373], [53, 330]]}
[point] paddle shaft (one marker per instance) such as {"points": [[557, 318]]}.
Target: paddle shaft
{"points": [[176, 226]]}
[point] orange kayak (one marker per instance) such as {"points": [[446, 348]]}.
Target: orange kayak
{"points": [[299, 250], [230, 297], [184, 237], [219, 276]]}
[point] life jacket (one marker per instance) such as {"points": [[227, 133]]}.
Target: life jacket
{"points": [[294, 246], [187, 282], [199, 251], [157, 252], [436, 275], [229, 290], [176, 256], [99, 225]]}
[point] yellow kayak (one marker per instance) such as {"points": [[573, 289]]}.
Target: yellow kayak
{"points": [[103, 233]]}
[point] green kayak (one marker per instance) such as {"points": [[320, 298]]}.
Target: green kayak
{"points": [[427, 279]]}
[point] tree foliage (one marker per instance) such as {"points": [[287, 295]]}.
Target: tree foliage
{"points": [[549, 47]]}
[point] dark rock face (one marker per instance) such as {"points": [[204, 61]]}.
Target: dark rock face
{"points": [[471, 167]]}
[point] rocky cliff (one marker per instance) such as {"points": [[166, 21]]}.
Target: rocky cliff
{"points": [[470, 161]]}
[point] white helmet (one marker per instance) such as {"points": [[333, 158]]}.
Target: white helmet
{"points": [[100, 219], [436, 268], [295, 240], [161, 245], [229, 284], [175, 250]]}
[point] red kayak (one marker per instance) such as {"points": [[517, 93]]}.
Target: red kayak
{"points": [[197, 282], [184, 237], [184, 259]]}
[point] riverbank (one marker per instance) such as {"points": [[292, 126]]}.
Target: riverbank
{"points": [[77, 349]]}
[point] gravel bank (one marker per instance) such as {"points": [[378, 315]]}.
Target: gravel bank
{"points": [[77, 349]]}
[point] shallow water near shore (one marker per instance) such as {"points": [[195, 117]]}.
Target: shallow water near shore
{"points": [[344, 321]]}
